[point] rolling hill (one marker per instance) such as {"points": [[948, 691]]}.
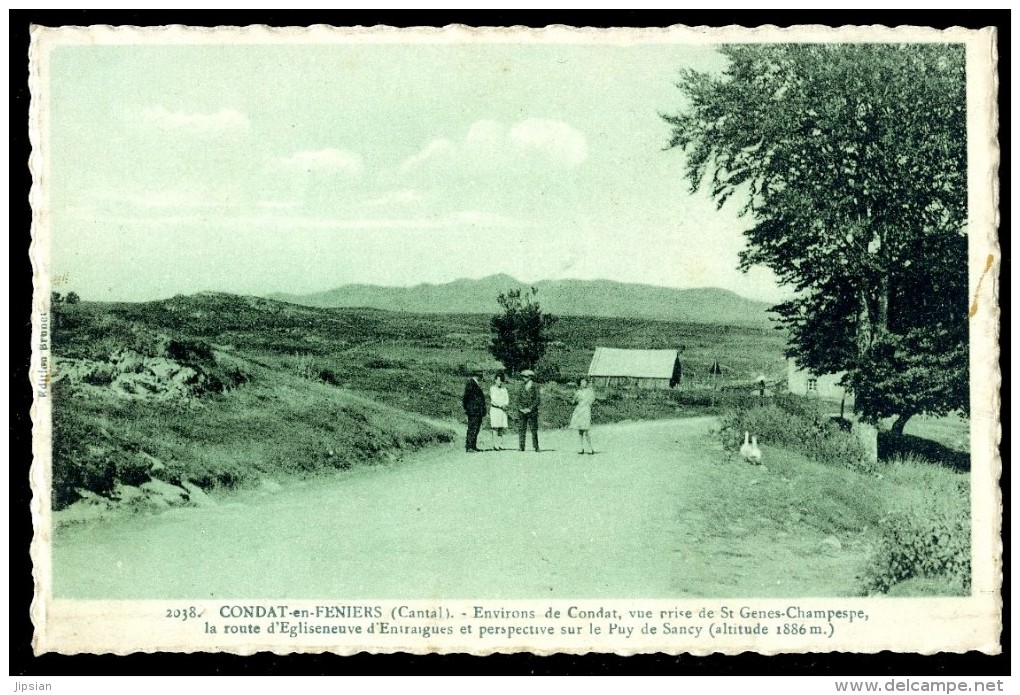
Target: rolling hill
{"points": [[598, 298], [215, 390]]}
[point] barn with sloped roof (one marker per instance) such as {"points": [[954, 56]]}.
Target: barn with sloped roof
{"points": [[648, 369]]}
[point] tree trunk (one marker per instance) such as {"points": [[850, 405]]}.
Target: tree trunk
{"points": [[874, 294], [900, 423], [881, 326]]}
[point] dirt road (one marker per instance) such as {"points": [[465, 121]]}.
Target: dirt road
{"points": [[624, 523]]}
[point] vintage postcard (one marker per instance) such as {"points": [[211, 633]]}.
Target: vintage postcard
{"points": [[492, 340]]}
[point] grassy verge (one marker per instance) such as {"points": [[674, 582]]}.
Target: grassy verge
{"points": [[926, 539], [793, 491], [916, 511], [795, 423], [275, 426]]}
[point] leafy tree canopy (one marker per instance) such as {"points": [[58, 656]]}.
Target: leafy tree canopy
{"points": [[851, 160], [519, 332]]}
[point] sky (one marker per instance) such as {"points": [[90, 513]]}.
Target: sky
{"points": [[279, 168]]}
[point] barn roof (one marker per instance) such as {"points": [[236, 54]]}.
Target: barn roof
{"points": [[644, 364]]}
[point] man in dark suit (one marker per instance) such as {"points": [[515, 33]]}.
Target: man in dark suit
{"points": [[527, 406], [474, 408]]}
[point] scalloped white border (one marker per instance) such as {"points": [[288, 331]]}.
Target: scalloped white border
{"points": [[905, 625]]}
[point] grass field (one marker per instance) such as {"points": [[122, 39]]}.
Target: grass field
{"points": [[223, 390], [416, 362], [158, 403], [912, 508]]}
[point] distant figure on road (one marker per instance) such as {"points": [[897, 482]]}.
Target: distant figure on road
{"points": [[474, 408], [527, 406], [499, 400], [580, 420]]}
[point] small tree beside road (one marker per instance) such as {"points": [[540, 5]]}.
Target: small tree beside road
{"points": [[519, 332]]}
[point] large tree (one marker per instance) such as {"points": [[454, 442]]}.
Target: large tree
{"points": [[519, 332], [851, 161]]}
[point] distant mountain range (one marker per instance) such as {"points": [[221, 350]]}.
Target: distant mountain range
{"points": [[709, 305]]}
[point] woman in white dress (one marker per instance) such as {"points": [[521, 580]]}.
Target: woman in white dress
{"points": [[581, 418], [499, 399]]}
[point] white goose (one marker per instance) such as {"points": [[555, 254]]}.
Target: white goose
{"points": [[749, 449]]}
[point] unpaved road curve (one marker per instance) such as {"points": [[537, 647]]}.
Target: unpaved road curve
{"points": [[445, 524]]}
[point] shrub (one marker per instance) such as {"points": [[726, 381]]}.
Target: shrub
{"points": [[572, 379], [706, 400], [798, 424], [328, 376], [547, 371], [101, 374], [190, 352], [217, 379], [926, 537]]}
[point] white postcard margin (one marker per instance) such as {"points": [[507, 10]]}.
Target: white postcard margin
{"points": [[865, 625]]}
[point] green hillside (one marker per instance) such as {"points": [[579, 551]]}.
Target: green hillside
{"points": [[222, 390]]}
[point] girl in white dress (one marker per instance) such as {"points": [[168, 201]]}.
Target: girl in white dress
{"points": [[581, 418], [499, 399]]}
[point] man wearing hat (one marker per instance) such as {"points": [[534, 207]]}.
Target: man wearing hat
{"points": [[474, 407], [527, 405]]}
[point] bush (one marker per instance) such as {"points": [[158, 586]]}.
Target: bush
{"points": [[218, 379], [547, 371], [328, 376], [101, 374], [798, 424], [925, 538], [190, 352]]}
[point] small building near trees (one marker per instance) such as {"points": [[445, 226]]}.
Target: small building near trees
{"points": [[804, 382], [648, 369], [826, 388]]}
